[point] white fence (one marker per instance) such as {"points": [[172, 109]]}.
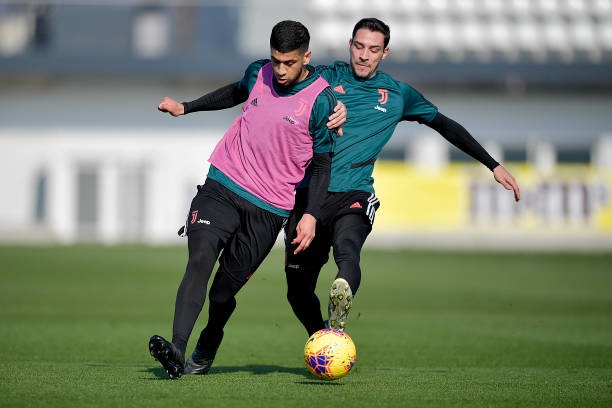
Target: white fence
{"points": [[125, 185], [110, 186]]}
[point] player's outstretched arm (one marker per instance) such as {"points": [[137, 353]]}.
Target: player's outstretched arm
{"points": [[225, 97], [503, 177], [461, 138], [171, 106]]}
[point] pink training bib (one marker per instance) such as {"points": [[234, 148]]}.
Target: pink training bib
{"points": [[269, 146]]}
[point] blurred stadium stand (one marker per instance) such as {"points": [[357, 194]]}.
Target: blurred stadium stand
{"points": [[531, 79], [541, 42], [452, 42]]}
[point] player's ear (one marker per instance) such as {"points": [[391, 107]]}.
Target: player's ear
{"points": [[307, 56], [385, 52]]}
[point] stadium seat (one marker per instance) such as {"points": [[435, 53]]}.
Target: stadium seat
{"points": [[529, 38], [407, 8], [602, 7], [474, 39], [584, 39], [447, 38], [416, 39], [323, 7], [501, 39], [547, 9], [605, 37], [383, 8], [494, 8], [574, 8], [520, 8], [465, 8], [556, 39]]}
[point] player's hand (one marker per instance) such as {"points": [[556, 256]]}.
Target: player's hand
{"points": [[337, 119], [305, 233], [503, 177], [171, 106]]}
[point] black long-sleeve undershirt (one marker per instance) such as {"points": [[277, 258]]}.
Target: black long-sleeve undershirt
{"points": [[225, 97], [459, 137], [319, 182]]}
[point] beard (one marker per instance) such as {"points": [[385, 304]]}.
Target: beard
{"points": [[363, 71]]}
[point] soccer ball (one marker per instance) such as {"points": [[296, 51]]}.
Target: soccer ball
{"points": [[329, 354]]}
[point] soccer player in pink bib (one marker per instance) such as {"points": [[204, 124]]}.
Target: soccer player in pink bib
{"points": [[249, 190]]}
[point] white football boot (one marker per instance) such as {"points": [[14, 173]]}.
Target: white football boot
{"points": [[340, 301]]}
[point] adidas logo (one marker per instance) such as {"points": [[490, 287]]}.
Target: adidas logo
{"points": [[339, 89], [356, 205], [254, 102]]}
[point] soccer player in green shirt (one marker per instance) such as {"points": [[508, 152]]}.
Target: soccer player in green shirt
{"points": [[375, 104]]}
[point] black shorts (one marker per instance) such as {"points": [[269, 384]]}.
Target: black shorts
{"points": [[337, 206], [228, 221]]}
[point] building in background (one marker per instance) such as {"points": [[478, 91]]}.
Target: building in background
{"points": [[85, 156]]}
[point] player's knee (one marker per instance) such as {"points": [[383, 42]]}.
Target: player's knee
{"points": [[222, 297], [299, 291], [347, 250], [201, 251], [196, 259]]}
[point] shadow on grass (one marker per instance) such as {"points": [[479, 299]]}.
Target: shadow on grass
{"points": [[160, 374], [259, 369]]}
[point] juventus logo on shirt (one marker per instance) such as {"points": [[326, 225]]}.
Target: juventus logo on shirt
{"points": [[301, 107], [384, 96]]}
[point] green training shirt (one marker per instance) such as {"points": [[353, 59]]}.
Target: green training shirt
{"points": [[374, 108]]}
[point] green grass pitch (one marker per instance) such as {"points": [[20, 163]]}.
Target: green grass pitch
{"points": [[432, 329]]}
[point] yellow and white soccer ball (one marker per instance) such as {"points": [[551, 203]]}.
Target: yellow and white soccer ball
{"points": [[330, 354]]}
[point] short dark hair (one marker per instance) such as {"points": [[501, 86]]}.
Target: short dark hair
{"points": [[289, 36], [373, 24]]}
